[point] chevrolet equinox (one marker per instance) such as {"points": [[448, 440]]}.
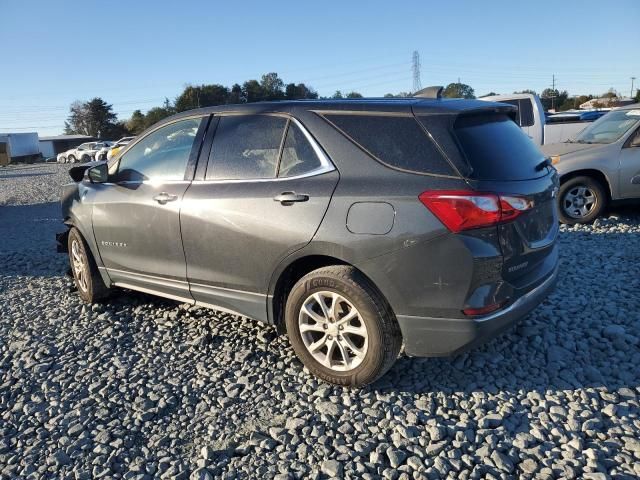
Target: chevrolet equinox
{"points": [[355, 226]]}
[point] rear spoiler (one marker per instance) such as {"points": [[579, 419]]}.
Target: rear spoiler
{"points": [[430, 92]]}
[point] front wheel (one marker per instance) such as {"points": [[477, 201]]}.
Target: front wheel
{"points": [[581, 200], [71, 159], [341, 327], [89, 283]]}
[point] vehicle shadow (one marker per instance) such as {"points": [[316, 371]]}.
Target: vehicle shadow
{"points": [[28, 246], [586, 334]]}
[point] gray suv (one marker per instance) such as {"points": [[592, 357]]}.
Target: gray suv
{"points": [[355, 226]]}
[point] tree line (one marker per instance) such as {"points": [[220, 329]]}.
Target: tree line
{"points": [[96, 117]]}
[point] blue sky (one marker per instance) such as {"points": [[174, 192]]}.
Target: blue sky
{"points": [[134, 54]]}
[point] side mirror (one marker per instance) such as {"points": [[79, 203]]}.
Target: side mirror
{"points": [[98, 174]]}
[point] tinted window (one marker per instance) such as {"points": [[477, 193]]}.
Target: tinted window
{"points": [[161, 155], [246, 147], [395, 141], [497, 149], [526, 113], [298, 156]]}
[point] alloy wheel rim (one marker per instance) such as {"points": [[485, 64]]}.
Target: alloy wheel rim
{"points": [[579, 201], [333, 331], [79, 265]]}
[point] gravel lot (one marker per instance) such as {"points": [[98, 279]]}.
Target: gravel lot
{"points": [[140, 387]]}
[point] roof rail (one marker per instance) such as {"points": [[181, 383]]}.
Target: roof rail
{"points": [[430, 92]]}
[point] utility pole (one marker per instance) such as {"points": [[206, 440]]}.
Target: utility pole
{"points": [[553, 92], [632, 80], [417, 84]]}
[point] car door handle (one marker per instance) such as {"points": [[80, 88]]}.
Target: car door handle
{"points": [[164, 197], [287, 198]]}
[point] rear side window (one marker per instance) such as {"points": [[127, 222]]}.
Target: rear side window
{"points": [[298, 157], [246, 147], [398, 142], [497, 149]]}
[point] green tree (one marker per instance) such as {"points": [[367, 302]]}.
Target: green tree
{"points": [[337, 95], [299, 91], [353, 95], [637, 97], [156, 114], [458, 90], [490, 94], [252, 91], [551, 98], [94, 118], [526, 90], [136, 124], [201, 96], [235, 95], [272, 86]]}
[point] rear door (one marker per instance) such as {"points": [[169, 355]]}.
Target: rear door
{"points": [[504, 161], [260, 194], [136, 217]]}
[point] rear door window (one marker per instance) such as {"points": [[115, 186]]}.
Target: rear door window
{"points": [[497, 149], [396, 141], [246, 147]]}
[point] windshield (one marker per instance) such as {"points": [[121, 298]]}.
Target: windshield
{"points": [[610, 127]]}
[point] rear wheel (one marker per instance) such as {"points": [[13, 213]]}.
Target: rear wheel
{"points": [[85, 158], [87, 278], [581, 200], [341, 328]]}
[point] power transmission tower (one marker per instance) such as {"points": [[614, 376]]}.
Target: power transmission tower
{"points": [[553, 92], [632, 80], [417, 84]]}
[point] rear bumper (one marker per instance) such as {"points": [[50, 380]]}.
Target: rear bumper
{"points": [[435, 337]]}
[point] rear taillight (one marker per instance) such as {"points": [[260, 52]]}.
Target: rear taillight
{"points": [[462, 210]]}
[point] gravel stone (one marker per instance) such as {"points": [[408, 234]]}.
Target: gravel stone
{"points": [[142, 387]]}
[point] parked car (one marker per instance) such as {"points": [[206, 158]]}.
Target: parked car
{"points": [[600, 165], [101, 150], [341, 222], [84, 152], [117, 146], [538, 125]]}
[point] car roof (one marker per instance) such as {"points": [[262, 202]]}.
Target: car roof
{"points": [[403, 104]]}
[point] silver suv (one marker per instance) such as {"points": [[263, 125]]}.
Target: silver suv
{"points": [[355, 226], [600, 165]]}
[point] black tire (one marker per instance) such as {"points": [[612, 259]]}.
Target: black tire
{"points": [[595, 194], [384, 337], [89, 283], [63, 159], [71, 159], [85, 158]]}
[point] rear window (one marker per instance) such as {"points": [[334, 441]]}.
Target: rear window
{"points": [[398, 142], [497, 149]]}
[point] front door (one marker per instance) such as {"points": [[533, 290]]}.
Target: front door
{"points": [[136, 217], [266, 189]]}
